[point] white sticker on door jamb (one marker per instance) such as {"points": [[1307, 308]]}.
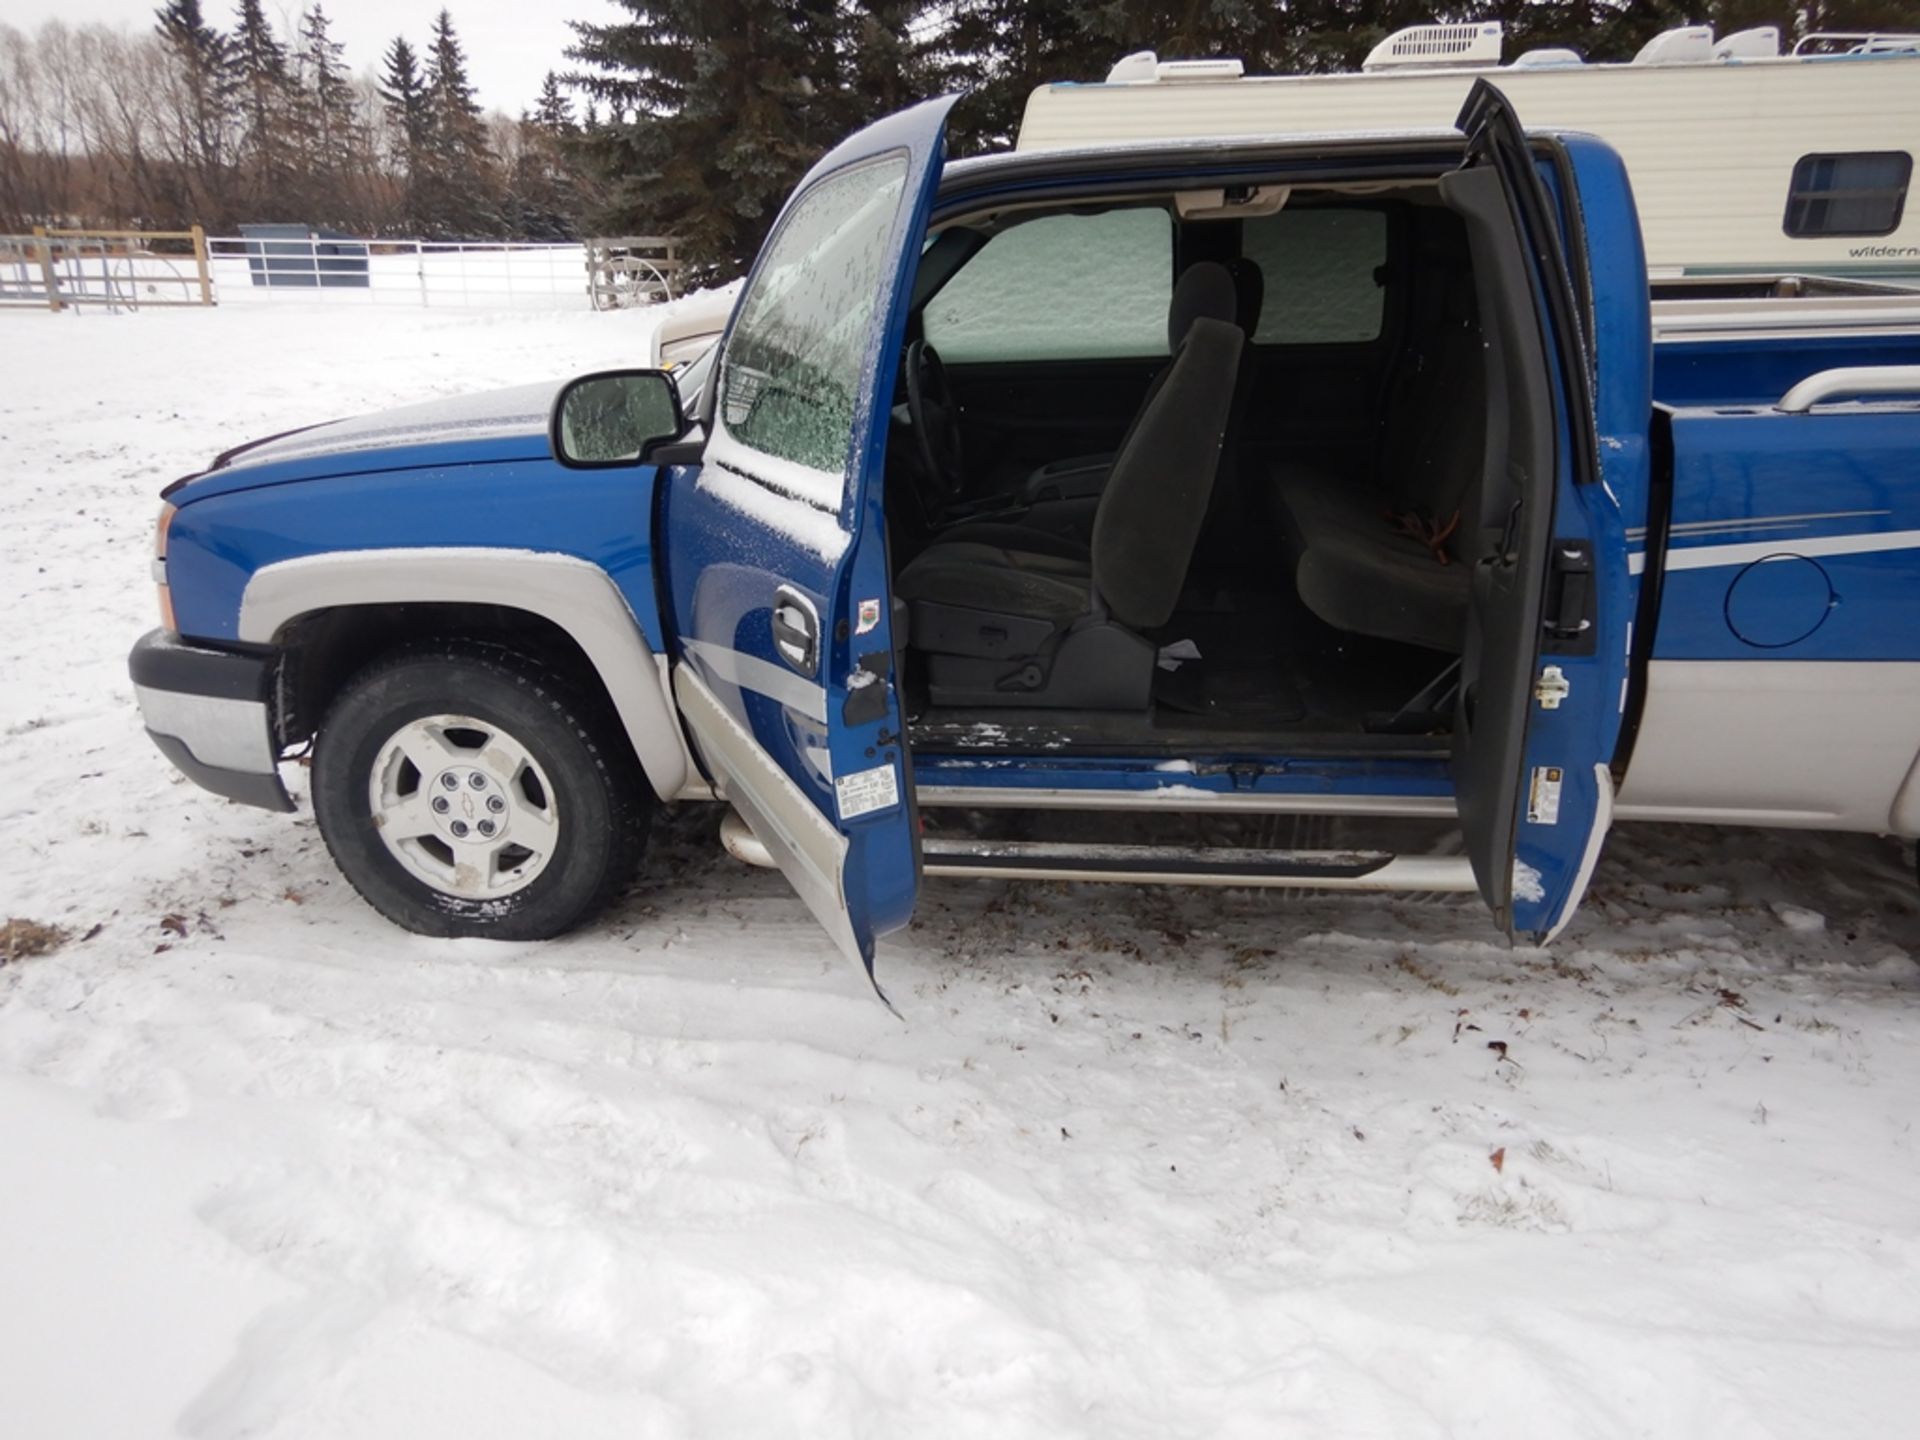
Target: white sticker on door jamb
{"points": [[1543, 797], [866, 791]]}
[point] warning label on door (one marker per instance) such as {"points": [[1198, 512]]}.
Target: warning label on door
{"points": [[1543, 799], [866, 791]]}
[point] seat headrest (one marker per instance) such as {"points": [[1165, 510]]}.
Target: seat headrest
{"points": [[1203, 292]]}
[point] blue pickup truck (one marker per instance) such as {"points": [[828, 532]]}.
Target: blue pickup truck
{"points": [[1030, 501]]}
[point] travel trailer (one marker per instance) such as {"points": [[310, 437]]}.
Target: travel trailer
{"points": [[1745, 161]]}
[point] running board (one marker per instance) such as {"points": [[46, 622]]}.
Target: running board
{"points": [[1164, 864]]}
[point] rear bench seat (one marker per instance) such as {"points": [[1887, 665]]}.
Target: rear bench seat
{"points": [[1355, 562]]}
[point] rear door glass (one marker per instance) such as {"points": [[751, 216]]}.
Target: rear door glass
{"points": [[1060, 287], [1321, 269]]}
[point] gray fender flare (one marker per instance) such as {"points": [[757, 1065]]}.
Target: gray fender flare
{"points": [[574, 594], [1905, 819]]}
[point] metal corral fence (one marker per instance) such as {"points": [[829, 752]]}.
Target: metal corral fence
{"points": [[122, 269], [266, 264]]}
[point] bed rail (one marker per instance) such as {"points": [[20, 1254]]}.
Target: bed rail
{"points": [[1851, 382]]}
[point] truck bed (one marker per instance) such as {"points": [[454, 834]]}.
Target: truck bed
{"points": [[1738, 351]]}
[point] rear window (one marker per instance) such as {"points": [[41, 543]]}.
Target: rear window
{"points": [[1859, 194], [1321, 272], [1061, 287]]}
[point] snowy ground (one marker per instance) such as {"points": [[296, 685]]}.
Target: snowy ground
{"points": [[1137, 1163]]}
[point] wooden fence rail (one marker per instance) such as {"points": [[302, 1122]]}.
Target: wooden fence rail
{"points": [[117, 268], [624, 270]]}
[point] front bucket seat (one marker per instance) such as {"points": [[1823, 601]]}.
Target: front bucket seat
{"points": [[1005, 625]]}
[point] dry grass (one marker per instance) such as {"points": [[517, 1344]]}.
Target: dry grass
{"points": [[23, 939]]}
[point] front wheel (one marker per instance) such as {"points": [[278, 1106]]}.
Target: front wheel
{"points": [[468, 791]]}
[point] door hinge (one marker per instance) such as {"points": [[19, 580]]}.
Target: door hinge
{"points": [[1552, 688]]}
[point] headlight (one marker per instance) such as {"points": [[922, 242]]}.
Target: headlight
{"points": [[160, 529]]}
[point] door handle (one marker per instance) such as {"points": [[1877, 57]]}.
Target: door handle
{"points": [[796, 630], [1569, 601]]}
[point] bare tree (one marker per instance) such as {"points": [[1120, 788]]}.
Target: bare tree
{"points": [[103, 127]]}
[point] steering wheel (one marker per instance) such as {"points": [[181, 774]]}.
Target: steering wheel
{"points": [[936, 419]]}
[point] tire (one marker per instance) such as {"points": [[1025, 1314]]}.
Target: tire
{"points": [[427, 748]]}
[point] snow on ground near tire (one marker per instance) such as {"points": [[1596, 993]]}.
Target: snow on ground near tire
{"points": [[1137, 1163]]}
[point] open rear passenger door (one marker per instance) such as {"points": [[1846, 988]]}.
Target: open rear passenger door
{"points": [[1530, 769], [776, 547]]}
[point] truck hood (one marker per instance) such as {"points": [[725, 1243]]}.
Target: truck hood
{"points": [[460, 430]]}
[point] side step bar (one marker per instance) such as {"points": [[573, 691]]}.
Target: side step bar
{"points": [[1163, 864]]}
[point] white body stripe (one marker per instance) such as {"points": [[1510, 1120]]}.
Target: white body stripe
{"points": [[749, 672], [1759, 522], [1709, 557]]}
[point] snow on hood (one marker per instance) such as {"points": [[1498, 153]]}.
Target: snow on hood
{"points": [[490, 415]]}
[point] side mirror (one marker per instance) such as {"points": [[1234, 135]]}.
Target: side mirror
{"points": [[614, 418]]}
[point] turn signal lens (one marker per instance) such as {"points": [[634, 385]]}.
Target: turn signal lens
{"points": [[164, 524]]}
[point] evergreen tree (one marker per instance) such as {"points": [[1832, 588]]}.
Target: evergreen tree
{"points": [[203, 63], [553, 111], [329, 87], [1003, 49], [888, 68], [329, 116], [718, 107], [452, 187], [542, 198], [403, 94], [450, 94], [262, 84]]}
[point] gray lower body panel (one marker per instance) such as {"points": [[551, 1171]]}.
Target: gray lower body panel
{"points": [[210, 712], [1807, 744]]}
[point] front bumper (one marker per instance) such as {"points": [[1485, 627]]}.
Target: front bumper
{"points": [[211, 713]]}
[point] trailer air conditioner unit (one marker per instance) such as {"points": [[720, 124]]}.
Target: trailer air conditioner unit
{"points": [[1548, 57], [1143, 67], [1760, 43], [1688, 45], [1436, 46]]}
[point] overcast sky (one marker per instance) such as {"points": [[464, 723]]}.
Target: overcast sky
{"points": [[510, 44]]}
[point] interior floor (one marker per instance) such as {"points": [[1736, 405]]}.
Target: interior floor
{"points": [[1266, 670]]}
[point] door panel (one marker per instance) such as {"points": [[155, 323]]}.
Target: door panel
{"points": [[776, 545], [1533, 790]]}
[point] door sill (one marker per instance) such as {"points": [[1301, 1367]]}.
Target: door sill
{"points": [[1179, 797], [965, 858]]}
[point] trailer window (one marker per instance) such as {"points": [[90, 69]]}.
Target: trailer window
{"points": [[1861, 194], [1321, 269], [1061, 287]]}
